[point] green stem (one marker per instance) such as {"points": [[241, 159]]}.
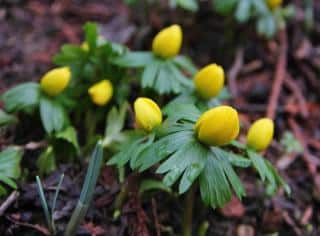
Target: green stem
{"points": [[119, 200], [203, 229], [87, 191], [187, 213]]}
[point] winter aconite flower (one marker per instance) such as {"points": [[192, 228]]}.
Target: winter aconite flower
{"points": [[101, 92], [167, 42], [148, 113], [85, 46], [209, 81], [260, 134], [274, 3], [55, 80], [218, 126]]}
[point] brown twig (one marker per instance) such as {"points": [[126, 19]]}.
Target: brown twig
{"points": [[155, 215], [310, 75], [310, 160], [279, 75], [37, 227], [5, 205], [290, 83], [234, 71]]}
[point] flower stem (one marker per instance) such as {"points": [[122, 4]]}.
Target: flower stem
{"points": [[188, 212]]}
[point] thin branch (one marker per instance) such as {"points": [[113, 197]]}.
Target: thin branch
{"points": [[280, 73], [6, 204]]}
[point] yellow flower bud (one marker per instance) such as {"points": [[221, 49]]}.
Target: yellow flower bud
{"points": [[274, 3], [260, 134], [167, 42], [85, 46], [209, 81], [101, 92], [148, 113], [55, 80], [218, 126]]}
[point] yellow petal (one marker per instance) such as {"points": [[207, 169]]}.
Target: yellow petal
{"points": [[260, 134], [55, 80], [85, 46], [147, 112], [101, 92], [218, 126], [167, 42], [209, 81], [274, 3]]}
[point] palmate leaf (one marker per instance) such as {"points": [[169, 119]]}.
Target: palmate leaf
{"points": [[188, 161], [187, 112], [134, 59], [162, 149], [53, 115], [186, 64], [151, 184], [184, 98], [10, 166], [234, 180], [215, 181], [268, 173], [7, 119], [131, 150], [23, 97]]}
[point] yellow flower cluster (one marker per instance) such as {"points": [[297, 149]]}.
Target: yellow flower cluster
{"points": [[56, 80], [273, 4]]}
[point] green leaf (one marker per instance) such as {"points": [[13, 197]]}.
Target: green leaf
{"points": [[162, 148], [190, 5], [235, 159], [69, 134], [278, 178], [134, 59], [187, 112], [115, 121], [23, 97], [260, 7], [243, 10], [234, 180], [188, 160], [178, 77], [166, 82], [262, 168], [185, 98], [150, 75], [131, 151], [151, 184], [7, 119], [224, 7], [186, 64], [46, 161], [267, 26], [290, 143], [52, 115], [214, 187], [10, 159], [69, 54], [91, 35]]}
